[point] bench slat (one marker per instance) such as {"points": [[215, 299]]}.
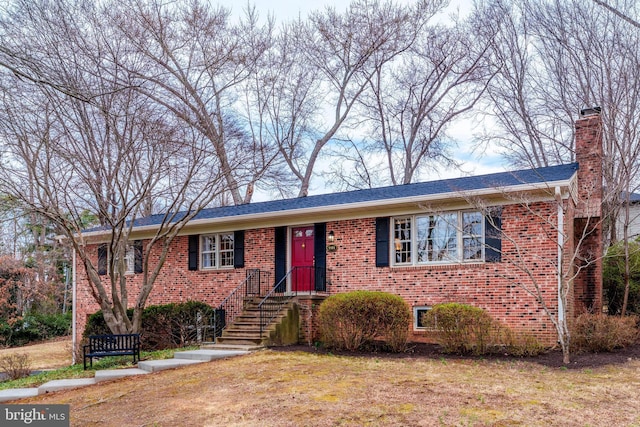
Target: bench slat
{"points": [[112, 345]]}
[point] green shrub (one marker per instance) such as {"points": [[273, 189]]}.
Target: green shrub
{"points": [[517, 344], [461, 328], [35, 327], [613, 277], [5, 333], [50, 325], [600, 332], [175, 325], [164, 326], [96, 324], [356, 320]]}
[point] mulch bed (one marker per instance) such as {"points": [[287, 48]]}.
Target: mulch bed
{"points": [[552, 358]]}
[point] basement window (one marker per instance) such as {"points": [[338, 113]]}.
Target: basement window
{"points": [[418, 317]]}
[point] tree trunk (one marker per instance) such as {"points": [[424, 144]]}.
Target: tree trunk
{"points": [[566, 356], [627, 266]]}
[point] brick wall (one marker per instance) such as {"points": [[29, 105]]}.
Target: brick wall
{"points": [[588, 215], [309, 306], [176, 283], [500, 288]]}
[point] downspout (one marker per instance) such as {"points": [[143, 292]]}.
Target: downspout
{"points": [[73, 311], [558, 197]]}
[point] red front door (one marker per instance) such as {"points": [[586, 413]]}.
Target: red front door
{"points": [[302, 257]]}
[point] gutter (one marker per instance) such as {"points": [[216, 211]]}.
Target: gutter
{"points": [[286, 214]]}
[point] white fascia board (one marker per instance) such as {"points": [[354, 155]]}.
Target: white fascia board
{"points": [[549, 186], [359, 209]]}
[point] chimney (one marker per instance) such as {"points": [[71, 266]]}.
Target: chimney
{"points": [[587, 224], [588, 149]]}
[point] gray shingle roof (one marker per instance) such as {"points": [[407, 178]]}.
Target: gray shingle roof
{"points": [[634, 197], [466, 184]]}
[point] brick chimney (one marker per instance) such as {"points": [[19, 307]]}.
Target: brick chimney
{"points": [[587, 221], [589, 156]]}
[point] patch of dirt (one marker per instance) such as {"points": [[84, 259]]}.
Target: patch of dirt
{"points": [[551, 358]]}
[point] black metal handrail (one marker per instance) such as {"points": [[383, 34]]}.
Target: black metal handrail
{"points": [[235, 302], [302, 280]]}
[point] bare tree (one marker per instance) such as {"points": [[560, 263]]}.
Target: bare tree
{"points": [[194, 59], [607, 77], [337, 56], [571, 258], [560, 273], [282, 104], [556, 57], [531, 125], [115, 156], [618, 13], [413, 99]]}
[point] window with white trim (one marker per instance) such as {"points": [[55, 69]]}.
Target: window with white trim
{"points": [[216, 250], [419, 313], [448, 237]]}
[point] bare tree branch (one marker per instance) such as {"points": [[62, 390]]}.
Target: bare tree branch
{"points": [[618, 13]]}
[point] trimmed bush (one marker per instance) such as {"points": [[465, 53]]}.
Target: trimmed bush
{"points": [[175, 325], [357, 320], [518, 344], [600, 332], [97, 326], [164, 326], [461, 328]]}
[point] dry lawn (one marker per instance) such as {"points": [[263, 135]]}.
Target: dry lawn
{"points": [[48, 355], [271, 388]]}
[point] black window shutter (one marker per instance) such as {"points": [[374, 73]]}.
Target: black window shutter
{"points": [[493, 235], [238, 249], [280, 256], [137, 247], [382, 242], [102, 259], [320, 253], [194, 241]]}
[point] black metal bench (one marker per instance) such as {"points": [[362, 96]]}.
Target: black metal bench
{"points": [[111, 345]]}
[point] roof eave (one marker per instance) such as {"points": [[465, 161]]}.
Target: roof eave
{"points": [[365, 208]]}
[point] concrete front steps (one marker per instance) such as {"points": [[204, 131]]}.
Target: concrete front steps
{"points": [[180, 358], [245, 329]]}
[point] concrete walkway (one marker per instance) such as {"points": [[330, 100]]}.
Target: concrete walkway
{"points": [[180, 358]]}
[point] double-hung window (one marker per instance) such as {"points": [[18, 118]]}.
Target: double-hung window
{"points": [[438, 238], [216, 250]]}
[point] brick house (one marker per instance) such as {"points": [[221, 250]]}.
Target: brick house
{"points": [[480, 240]]}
